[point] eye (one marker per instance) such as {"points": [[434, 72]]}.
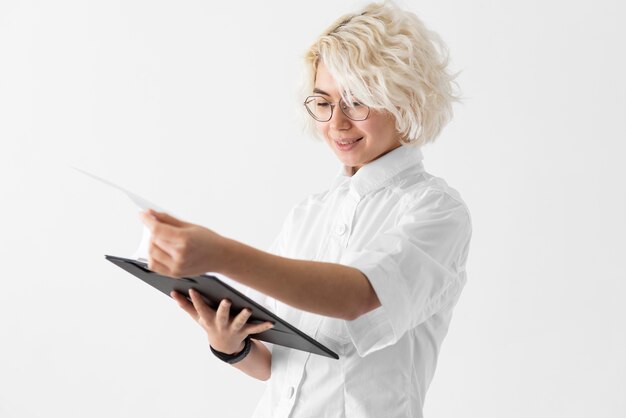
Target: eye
{"points": [[322, 104], [352, 105]]}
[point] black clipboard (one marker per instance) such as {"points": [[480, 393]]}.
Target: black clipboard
{"points": [[213, 291]]}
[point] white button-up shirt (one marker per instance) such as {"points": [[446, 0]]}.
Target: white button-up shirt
{"points": [[409, 233]]}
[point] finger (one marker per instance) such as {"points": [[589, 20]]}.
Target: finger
{"points": [[203, 309], [159, 268], [167, 218], [160, 253], [171, 248], [257, 328], [223, 314], [148, 219], [159, 229], [184, 303], [240, 320]]}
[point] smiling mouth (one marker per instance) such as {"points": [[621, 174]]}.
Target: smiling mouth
{"points": [[348, 141]]}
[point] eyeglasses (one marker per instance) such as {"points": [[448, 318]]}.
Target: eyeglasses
{"points": [[321, 109]]}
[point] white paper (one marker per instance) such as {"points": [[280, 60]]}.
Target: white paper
{"points": [[141, 253]]}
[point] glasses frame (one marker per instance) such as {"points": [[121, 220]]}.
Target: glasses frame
{"points": [[332, 109]]}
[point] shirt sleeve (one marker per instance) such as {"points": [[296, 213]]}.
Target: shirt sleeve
{"points": [[415, 267]]}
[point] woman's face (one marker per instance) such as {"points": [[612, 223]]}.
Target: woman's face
{"points": [[375, 136]]}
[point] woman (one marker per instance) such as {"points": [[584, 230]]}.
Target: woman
{"points": [[373, 267]]}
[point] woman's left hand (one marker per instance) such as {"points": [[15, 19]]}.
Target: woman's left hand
{"points": [[179, 248]]}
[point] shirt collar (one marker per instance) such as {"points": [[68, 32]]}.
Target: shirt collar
{"points": [[375, 174]]}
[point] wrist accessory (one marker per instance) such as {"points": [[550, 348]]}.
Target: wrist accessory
{"points": [[237, 357]]}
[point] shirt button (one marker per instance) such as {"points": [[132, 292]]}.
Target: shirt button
{"points": [[289, 392], [341, 229]]}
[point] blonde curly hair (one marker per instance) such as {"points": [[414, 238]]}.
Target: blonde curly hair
{"points": [[385, 58]]}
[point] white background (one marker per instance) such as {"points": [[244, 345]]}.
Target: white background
{"points": [[194, 105]]}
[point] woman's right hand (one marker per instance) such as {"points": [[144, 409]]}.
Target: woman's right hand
{"points": [[225, 335]]}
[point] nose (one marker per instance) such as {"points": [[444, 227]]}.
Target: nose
{"points": [[339, 121]]}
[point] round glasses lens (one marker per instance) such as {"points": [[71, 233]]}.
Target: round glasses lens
{"points": [[357, 111], [319, 108]]}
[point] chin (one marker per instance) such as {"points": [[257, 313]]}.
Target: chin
{"points": [[350, 163]]}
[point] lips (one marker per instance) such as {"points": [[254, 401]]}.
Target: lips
{"points": [[347, 144], [347, 141]]}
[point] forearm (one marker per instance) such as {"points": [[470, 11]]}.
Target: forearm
{"points": [[323, 288], [258, 363]]}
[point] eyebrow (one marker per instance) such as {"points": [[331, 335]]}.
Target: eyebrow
{"points": [[316, 90], [320, 91]]}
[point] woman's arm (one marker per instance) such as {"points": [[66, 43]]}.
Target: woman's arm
{"points": [[179, 248], [227, 335], [327, 289], [258, 363]]}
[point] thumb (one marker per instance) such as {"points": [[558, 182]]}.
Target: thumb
{"points": [[166, 218]]}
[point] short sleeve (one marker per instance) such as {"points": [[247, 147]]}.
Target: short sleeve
{"points": [[415, 267]]}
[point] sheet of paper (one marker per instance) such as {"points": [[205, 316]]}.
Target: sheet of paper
{"points": [[141, 253]]}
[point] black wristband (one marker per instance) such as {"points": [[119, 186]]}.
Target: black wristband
{"points": [[237, 357]]}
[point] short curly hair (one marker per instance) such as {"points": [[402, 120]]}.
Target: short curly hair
{"points": [[384, 57]]}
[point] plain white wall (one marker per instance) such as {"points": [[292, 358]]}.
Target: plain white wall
{"points": [[194, 105]]}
